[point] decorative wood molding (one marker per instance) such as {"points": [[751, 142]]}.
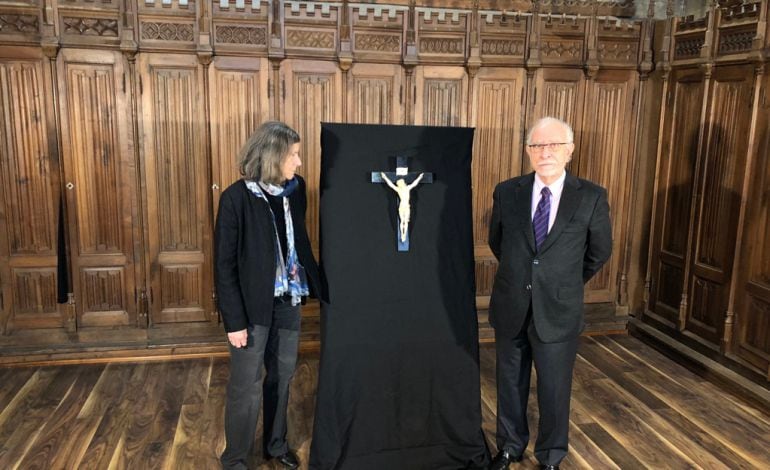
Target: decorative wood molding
{"points": [[310, 39], [34, 291], [503, 47], [378, 13], [562, 25], [688, 47], [441, 45], [690, 23], [12, 24], [731, 42], [738, 11], [181, 286], [105, 27], [377, 42], [625, 52], [181, 32], [102, 290], [248, 6], [562, 49], [253, 35], [173, 5]]}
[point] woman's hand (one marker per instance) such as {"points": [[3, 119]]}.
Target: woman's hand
{"points": [[238, 338]]}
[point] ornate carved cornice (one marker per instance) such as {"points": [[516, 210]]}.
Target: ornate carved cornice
{"points": [[105, 27], [152, 30], [19, 24]]}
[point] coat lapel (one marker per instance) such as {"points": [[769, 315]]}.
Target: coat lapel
{"points": [[568, 204], [524, 206]]}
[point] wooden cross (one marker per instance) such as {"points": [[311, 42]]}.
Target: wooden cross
{"points": [[402, 182]]}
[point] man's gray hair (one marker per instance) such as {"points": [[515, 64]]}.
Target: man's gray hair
{"points": [[261, 156], [548, 120]]}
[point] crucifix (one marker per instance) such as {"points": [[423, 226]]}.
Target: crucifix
{"points": [[402, 181]]}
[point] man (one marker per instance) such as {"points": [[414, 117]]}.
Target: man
{"points": [[550, 233]]}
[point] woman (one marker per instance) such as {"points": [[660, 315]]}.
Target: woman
{"points": [[264, 267]]}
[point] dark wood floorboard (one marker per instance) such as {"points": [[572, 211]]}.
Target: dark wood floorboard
{"points": [[632, 408]]}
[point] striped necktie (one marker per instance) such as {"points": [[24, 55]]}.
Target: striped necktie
{"points": [[542, 214]]}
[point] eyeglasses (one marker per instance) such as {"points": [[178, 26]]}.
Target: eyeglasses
{"points": [[552, 147]]}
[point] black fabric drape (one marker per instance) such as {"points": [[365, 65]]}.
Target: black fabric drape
{"points": [[399, 378], [62, 271]]}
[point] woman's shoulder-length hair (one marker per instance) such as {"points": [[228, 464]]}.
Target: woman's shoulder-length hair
{"points": [[261, 156]]}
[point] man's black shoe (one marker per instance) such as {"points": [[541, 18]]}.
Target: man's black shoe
{"points": [[548, 467], [503, 460], [288, 460]]}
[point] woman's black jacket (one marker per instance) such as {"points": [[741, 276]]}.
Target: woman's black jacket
{"points": [[245, 252]]}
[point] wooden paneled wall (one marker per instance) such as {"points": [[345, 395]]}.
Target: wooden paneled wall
{"points": [[131, 113], [709, 272]]}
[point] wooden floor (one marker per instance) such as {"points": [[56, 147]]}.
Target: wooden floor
{"points": [[632, 408]]}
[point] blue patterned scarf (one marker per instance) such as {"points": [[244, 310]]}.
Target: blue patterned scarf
{"points": [[289, 277]]}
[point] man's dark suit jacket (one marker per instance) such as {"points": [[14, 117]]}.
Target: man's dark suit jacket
{"points": [[576, 247], [244, 255]]}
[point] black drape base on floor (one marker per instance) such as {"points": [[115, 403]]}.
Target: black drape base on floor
{"points": [[399, 372]]}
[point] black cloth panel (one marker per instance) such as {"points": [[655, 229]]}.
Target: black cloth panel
{"points": [[399, 371]]}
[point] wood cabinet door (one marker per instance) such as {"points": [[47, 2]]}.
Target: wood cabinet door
{"points": [[100, 179], [497, 114], [238, 104], [678, 154], [751, 333], [29, 184], [719, 185], [441, 97], [311, 94], [178, 210], [375, 94], [607, 148]]}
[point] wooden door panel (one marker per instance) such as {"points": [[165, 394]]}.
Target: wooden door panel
{"points": [[375, 94], [239, 104], [751, 334], [99, 169], [179, 218], [606, 148], [313, 94], [720, 184], [677, 169], [30, 201], [497, 116], [441, 97]]}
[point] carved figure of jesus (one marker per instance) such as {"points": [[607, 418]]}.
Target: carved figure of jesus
{"points": [[404, 210]]}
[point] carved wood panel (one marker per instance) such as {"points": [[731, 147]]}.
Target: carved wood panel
{"points": [[313, 94], [751, 335], [178, 210], [674, 198], [29, 208], [375, 94], [101, 196], [719, 186], [558, 93], [606, 147], [441, 97], [497, 114], [34, 298], [238, 105]]}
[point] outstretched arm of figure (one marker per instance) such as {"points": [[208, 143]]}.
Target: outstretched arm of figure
{"points": [[415, 182], [387, 180]]}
